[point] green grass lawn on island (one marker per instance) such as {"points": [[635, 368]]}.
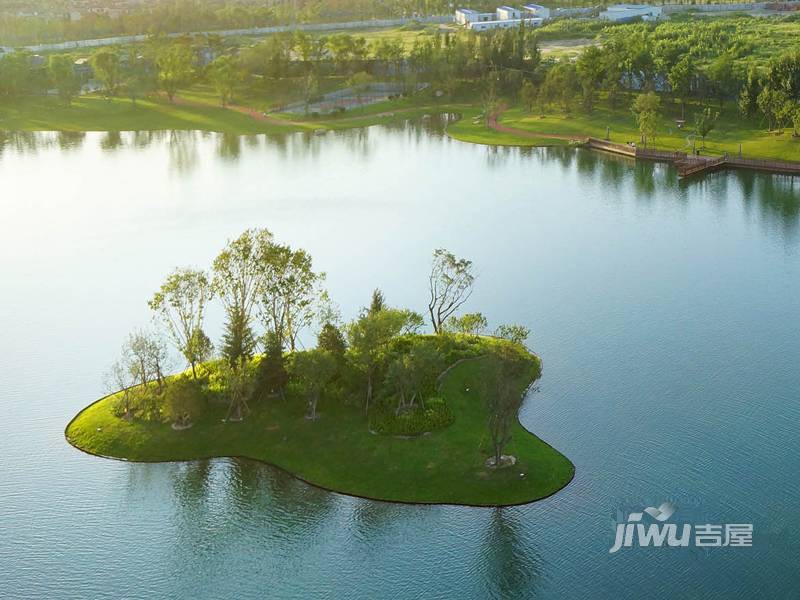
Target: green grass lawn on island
{"points": [[338, 452]]}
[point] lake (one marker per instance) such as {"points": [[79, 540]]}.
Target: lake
{"points": [[665, 312]]}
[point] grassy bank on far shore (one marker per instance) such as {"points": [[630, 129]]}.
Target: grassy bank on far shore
{"points": [[338, 452], [198, 109]]}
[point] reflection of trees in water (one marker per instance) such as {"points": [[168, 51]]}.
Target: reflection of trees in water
{"points": [[512, 569], [370, 519], [182, 146], [229, 146], [70, 140], [111, 140]]}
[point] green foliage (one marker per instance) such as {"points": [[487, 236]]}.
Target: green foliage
{"points": [[105, 64], [225, 74], [314, 370], [238, 341], [516, 334], [271, 375], [184, 400], [646, 107], [331, 339], [470, 323], [62, 74], [175, 69], [431, 416], [704, 122]]}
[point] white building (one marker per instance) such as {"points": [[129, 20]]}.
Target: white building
{"points": [[537, 10], [507, 13], [628, 12], [504, 17], [505, 24], [465, 16]]}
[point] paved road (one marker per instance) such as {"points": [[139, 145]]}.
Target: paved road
{"points": [[128, 39]]}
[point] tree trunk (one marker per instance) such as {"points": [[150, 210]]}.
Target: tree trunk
{"points": [[194, 372]]}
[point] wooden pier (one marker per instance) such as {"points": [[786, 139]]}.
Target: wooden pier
{"points": [[688, 165]]}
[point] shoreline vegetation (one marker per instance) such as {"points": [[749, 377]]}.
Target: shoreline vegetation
{"points": [[708, 87], [512, 126], [377, 409]]}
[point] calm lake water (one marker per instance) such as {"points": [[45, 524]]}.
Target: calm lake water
{"points": [[666, 314]]}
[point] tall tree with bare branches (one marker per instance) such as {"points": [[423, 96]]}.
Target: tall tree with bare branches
{"points": [[450, 286]]}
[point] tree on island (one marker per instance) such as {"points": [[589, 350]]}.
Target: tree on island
{"points": [[238, 346], [378, 303], [288, 292], [470, 324], [500, 388], [516, 334], [410, 373], [450, 286], [146, 356], [369, 336], [183, 401], [271, 376], [315, 369], [180, 304], [239, 275], [120, 380]]}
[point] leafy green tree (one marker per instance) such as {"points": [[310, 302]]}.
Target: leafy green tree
{"points": [[175, 69], [646, 107], [360, 83], [516, 334], [271, 376], [378, 302], [183, 401], [180, 304], [238, 386], [146, 356], [288, 292], [772, 104], [62, 74], [748, 96], [499, 388], [680, 80], [225, 74], [369, 337], [722, 74], [527, 95], [409, 374], [105, 64], [450, 286], [470, 323], [314, 369], [238, 341], [331, 339], [15, 74], [590, 73], [137, 79], [239, 276], [704, 122]]}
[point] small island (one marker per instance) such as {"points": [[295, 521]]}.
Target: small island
{"points": [[376, 410]]}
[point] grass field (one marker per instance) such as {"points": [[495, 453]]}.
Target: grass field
{"points": [[338, 452], [730, 132]]}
